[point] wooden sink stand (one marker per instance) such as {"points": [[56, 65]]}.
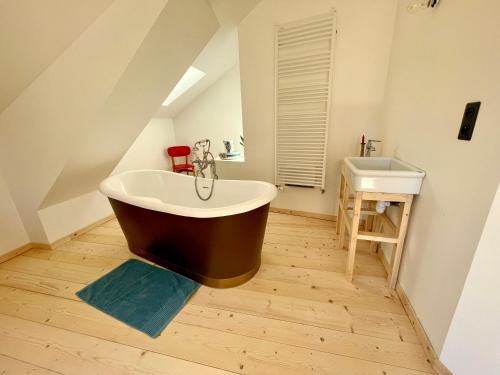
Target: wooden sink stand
{"points": [[378, 227]]}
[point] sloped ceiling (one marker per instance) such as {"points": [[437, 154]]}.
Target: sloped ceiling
{"points": [[231, 12], [33, 33], [64, 133], [182, 29], [218, 56]]}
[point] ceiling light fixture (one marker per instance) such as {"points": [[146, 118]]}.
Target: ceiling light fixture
{"points": [[419, 5]]}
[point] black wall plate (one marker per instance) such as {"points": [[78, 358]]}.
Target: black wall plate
{"points": [[469, 121]]}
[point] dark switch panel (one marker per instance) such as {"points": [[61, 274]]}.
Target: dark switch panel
{"points": [[468, 121]]}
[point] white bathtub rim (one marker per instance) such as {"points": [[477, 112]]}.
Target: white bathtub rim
{"points": [[156, 204]]}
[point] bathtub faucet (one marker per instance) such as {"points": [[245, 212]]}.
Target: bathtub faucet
{"points": [[208, 159], [202, 164]]}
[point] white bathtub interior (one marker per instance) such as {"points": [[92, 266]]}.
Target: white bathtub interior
{"points": [[175, 193]]}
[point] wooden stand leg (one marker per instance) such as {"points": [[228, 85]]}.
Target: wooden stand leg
{"points": [[398, 249], [342, 192], [354, 234], [370, 219], [342, 237], [377, 227], [343, 204]]}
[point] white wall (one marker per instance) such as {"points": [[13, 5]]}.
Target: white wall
{"points": [[148, 150], [41, 127], [215, 114], [12, 233], [69, 128], [172, 43], [33, 33], [441, 60], [62, 219], [472, 345], [217, 58], [363, 45], [219, 55]]}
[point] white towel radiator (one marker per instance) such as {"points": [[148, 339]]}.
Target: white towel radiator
{"points": [[303, 84]]}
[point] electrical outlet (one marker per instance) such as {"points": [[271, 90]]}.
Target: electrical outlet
{"points": [[469, 121]]}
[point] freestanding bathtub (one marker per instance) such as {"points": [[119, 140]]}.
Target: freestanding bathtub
{"points": [[216, 242]]}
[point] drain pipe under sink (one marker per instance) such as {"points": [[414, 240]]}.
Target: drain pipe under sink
{"points": [[381, 206]]}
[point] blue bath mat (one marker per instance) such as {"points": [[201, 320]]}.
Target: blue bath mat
{"points": [[141, 295]]}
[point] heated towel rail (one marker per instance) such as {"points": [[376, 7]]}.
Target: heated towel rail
{"points": [[303, 84]]}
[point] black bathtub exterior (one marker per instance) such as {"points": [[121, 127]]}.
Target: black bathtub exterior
{"points": [[219, 252]]}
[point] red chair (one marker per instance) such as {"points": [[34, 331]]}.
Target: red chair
{"points": [[178, 152]]}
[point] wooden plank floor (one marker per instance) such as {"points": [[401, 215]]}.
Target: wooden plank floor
{"points": [[298, 315]]}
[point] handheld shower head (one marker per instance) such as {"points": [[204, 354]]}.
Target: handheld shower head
{"points": [[203, 163]]}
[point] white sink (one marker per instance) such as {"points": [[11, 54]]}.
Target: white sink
{"points": [[383, 175]]}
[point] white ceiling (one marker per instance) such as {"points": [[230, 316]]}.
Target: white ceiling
{"points": [[33, 33], [219, 55]]}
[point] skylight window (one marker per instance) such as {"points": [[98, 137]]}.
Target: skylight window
{"points": [[187, 81]]}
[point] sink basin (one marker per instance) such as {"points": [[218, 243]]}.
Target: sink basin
{"points": [[383, 175]]}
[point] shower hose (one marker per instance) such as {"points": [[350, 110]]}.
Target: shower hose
{"points": [[199, 171]]}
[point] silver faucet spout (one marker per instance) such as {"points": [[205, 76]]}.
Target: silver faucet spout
{"points": [[371, 147]]}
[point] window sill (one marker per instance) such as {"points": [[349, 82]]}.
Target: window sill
{"points": [[239, 159]]}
